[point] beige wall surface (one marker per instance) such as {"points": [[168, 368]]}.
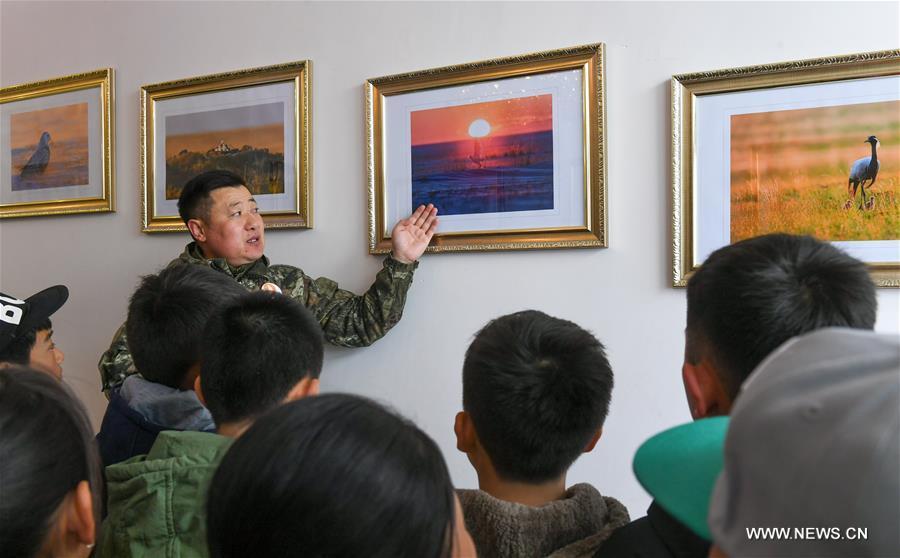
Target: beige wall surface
{"points": [[621, 293]]}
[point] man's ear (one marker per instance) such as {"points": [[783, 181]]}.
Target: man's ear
{"points": [[198, 388], [306, 387], [466, 438], [197, 229], [593, 441], [705, 394]]}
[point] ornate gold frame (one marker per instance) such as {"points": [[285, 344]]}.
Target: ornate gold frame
{"points": [[107, 201], [589, 59], [685, 90], [297, 72]]}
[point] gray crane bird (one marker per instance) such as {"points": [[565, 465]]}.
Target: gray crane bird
{"points": [[38, 161], [862, 171]]}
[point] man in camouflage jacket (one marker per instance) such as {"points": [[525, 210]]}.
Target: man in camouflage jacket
{"points": [[228, 233]]}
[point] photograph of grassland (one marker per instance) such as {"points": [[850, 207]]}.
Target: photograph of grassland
{"points": [[246, 140], [790, 172]]}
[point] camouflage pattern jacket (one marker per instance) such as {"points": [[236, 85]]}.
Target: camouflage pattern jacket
{"points": [[347, 319]]}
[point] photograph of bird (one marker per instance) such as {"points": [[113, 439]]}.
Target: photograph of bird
{"points": [[38, 161], [862, 171]]}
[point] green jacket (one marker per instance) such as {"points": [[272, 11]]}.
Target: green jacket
{"points": [[347, 319], [157, 502]]}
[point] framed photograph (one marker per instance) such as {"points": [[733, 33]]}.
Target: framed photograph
{"points": [[512, 152], [807, 147], [253, 122], [57, 138]]}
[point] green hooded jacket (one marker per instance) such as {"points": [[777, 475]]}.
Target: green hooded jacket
{"points": [[157, 502], [347, 319]]}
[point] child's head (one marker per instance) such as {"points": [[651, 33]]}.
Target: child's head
{"points": [[334, 475], [166, 317], [750, 297], [258, 352], [26, 334], [536, 390], [49, 468]]}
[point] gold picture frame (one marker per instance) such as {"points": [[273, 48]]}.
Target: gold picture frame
{"points": [[745, 112], [254, 122], [511, 150], [58, 138]]}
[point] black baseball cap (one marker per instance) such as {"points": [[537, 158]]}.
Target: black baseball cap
{"points": [[18, 316]]}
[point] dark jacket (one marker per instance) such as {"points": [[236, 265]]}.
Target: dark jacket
{"points": [[124, 433], [658, 535], [139, 410]]}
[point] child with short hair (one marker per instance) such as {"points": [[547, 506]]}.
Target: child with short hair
{"points": [[536, 391], [335, 475], [258, 352], [743, 302], [166, 316]]}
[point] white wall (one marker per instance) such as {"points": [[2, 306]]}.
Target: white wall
{"points": [[621, 293]]}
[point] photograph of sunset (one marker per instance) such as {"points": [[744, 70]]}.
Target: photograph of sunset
{"points": [[488, 157]]}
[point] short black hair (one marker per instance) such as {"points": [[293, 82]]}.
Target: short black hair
{"points": [[537, 388], [166, 317], [194, 203], [748, 298], [254, 351], [332, 475], [46, 448], [18, 351]]}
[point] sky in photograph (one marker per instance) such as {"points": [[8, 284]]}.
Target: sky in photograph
{"points": [[259, 126], [506, 117], [64, 123]]}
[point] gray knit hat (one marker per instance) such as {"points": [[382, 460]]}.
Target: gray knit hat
{"points": [[813, 451]]}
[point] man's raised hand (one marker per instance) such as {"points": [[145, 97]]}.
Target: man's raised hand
{"points": [[411, 236]]}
